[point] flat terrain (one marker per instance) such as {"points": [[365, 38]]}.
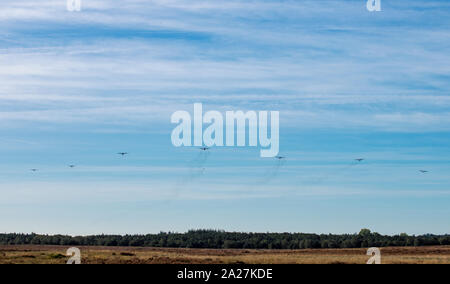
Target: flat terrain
{"points": [[132, 255]]}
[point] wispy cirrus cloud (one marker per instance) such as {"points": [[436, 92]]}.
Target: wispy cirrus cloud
{"points": [[76, 88], [364, 72]]}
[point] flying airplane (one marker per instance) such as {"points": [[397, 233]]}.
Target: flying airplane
{"points": [[280, 157], [359, 160], [204, 148], [122, 153], [72, 166], [34, 170], [423, 172]]}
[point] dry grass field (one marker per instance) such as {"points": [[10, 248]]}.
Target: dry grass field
{"points": [[131, 255]]}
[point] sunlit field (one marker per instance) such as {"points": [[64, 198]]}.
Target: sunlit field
{"points": [[133, 255]]}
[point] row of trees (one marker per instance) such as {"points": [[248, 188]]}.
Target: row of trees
{"points": [[221, 239]]}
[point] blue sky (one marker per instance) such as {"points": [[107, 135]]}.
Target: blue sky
{"points": [[76, 88]]}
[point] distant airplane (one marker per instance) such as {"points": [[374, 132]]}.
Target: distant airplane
{"points": [[72, 166], [423, 172], [204, 148], [34, 170], [359, 160], [280, 157], [122, 153]]}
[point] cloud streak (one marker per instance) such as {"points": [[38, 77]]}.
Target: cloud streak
{"points": [[364, 72]]}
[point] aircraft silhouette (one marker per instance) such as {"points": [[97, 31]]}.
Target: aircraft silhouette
{"points": [[122, 153], [359, 160], [204, 148], [423, 172], [280, 157], [72, 166], [34, 170]]}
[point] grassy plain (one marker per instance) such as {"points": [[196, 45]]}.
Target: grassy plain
{"points": [[35, 254]]}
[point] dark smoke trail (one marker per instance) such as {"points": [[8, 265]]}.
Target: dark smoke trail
{"points": [[272, 173], [196, 169]]}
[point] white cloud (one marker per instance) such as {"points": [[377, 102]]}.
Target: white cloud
{"points": [[274, 55]]}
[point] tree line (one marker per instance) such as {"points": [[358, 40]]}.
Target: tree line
{"points": [[216, 239]]}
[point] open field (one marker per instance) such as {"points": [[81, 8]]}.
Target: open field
{"points": [[30, 254]]}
